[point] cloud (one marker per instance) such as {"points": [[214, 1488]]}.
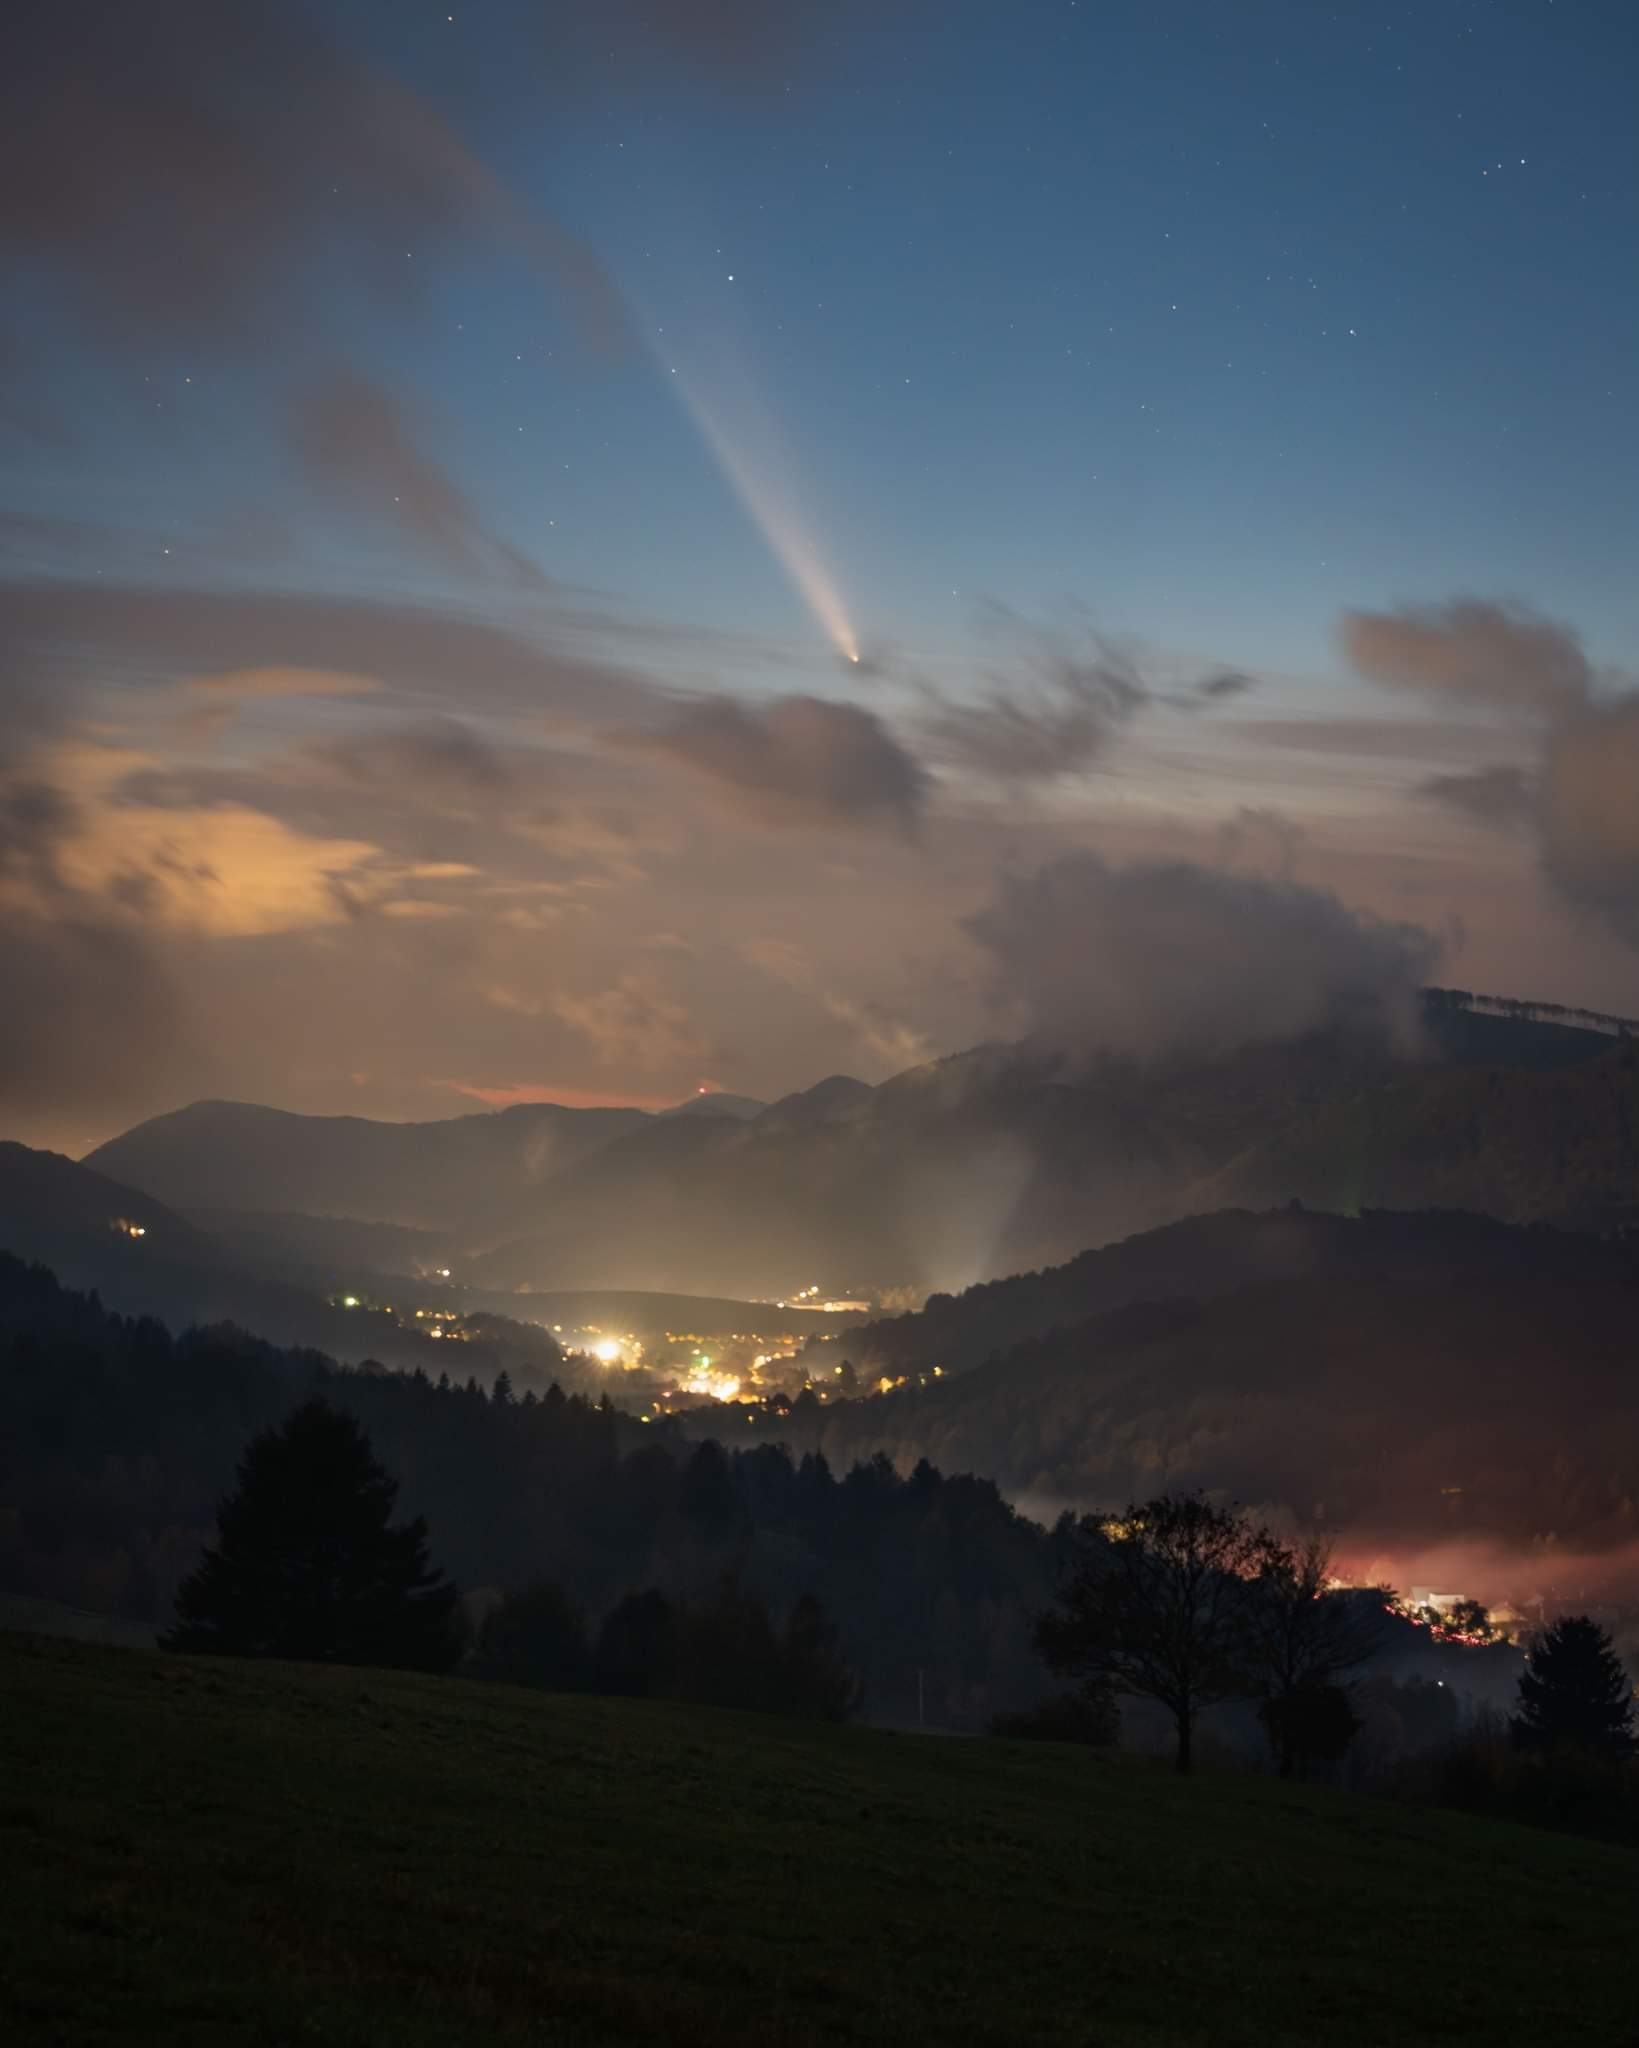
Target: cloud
{"points": [[213, 702], [1382, 739], [35, 817], [891, 1040], [261, 685], [1049, 713], [180, 165], [219, 870], [1489, 656], [1502, 797], [797, 760], [1261, 840], [94, 1027], [1225, 682], [354, 441], [1051, 706], [439, 757], [1155, 960], [1581, 795], [56, 635], [635, 1023], [1588, 812]]}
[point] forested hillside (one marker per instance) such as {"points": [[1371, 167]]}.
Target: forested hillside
{"points": [[1414, 1378], [117, 1441]]}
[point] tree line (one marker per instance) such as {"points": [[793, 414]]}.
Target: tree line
{"points": [[1179, 1601], [1189, 1604], [309, 1565], [118, 1441]]}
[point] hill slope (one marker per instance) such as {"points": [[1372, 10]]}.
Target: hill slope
{"points": [[72, 1218], [145, 1260], [208, 1853], [1420, 1379]]}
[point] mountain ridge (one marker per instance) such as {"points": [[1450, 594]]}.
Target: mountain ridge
{"points": [[997, 1159]]}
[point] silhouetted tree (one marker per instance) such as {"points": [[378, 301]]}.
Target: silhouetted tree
{"points": [[1574, 1693], [308, 1563], [728, 1654], [707, 1495], [636, 1651], [535, 1637], [1308, 1635], [819, 1683], [1310, 1724], [1158, 1604], [1468, 1619]]}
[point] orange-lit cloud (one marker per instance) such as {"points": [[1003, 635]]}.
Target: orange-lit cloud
{"points": [[222, 872], [255, 685]]}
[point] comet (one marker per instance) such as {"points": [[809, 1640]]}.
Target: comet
{"points": [[748, 452]]}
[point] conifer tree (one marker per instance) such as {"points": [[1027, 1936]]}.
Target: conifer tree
{"points": [[308, 1563], [1574, 1693]]}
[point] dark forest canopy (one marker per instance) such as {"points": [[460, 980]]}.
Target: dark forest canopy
{"points": [[120, 1441]]}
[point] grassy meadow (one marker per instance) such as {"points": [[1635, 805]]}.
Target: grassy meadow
{"points": [[198, 1852]]}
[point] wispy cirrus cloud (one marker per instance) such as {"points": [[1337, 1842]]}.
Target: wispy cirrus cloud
{"points": [[113, 118], [357, 443]]}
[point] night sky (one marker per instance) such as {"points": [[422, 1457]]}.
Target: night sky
{"points": [[586, 552]]}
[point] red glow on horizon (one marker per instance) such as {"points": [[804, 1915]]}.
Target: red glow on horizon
{"points": [[510, 1096]]}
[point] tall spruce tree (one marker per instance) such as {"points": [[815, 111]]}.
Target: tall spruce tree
{"points": [[1574, 1693], [308, 1563]]}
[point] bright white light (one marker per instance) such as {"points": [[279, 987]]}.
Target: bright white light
{"points": [[608, 1351], [720, 1386]]}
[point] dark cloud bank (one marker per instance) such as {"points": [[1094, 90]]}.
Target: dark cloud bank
{"points": [[1580, 801]]}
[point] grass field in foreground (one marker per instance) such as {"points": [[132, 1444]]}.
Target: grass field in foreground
{"points": [[197, 1852]]}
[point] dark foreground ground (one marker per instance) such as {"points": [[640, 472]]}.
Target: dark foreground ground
{"points": [[194, 1852]]}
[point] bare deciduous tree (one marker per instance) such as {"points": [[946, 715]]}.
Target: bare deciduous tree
{"points": [[1159, 1604], [1308, 1635]]}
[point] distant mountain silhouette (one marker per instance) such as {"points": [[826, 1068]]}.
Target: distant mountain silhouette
{"points": [[994, 1160], [469, 1172], [715, 1103], [281, 1276]]}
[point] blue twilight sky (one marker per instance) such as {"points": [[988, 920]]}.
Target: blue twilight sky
{"points": [[1076, 352]]}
